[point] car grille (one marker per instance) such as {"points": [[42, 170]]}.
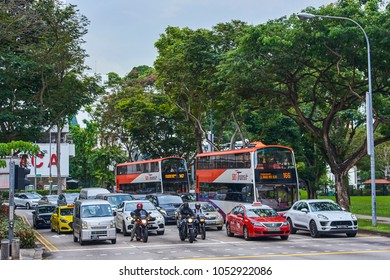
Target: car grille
{"points": [[341, 223], [171, 213], [99, 227], [273, 225], [210, 218], [99, 232]]}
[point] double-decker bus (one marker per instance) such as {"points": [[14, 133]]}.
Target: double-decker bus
{"points": [[163, 175], [261, 173]]}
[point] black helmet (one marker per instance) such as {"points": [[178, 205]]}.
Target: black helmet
{"points": [[186, 205], [197, 206]]}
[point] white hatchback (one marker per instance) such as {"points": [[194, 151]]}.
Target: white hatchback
{"points": [[321, 216]]}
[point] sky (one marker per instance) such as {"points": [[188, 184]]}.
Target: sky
{"points": [[122, 33]]}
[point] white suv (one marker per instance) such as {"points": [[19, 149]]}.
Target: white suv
{"points": [[321, 216]]}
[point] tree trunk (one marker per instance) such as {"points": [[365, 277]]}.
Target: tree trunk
{"points": [[59, 178], [341, 190]]}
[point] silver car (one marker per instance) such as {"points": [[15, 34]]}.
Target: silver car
{"points": [[124, 222], [27, 200]]}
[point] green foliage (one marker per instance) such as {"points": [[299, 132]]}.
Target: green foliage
{"points": [[21, 230]]}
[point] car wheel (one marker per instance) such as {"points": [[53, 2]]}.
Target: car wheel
{"points": [[81, 241], [228, 231], [58, 230], [219, 228], [28, 206], [75, 239], [125, 232], [284, 237], [313, 229], [161, 232], [351, 234], [292, 229], [51, 228], [113, 241], [246, 234]]}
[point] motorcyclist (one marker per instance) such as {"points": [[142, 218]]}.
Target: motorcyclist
{"points": [[185, 211], [198, 210], [137, 213]]}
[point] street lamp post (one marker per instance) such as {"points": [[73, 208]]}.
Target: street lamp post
{"points": [[370, 127]]}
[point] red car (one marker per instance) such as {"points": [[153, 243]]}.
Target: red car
{"points": [[255, 221]]}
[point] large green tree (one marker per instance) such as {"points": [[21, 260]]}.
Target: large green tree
{"points": [[316, 73]]}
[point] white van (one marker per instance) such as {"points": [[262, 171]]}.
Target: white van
{"points": [[93, 219], [91, 193]]}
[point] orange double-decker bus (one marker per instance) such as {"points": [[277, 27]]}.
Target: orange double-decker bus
{"points": [[163, 175], [261, 173]]}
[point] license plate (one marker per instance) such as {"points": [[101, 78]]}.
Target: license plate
{"points": [[273, 229], [95, 237], [211, 222], [341, 226]]}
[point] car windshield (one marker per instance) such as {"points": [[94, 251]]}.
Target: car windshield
{"points": [[99, 210], [116, 200], [32, 195], [52, 198], [324, 206], [205, 207], [71, 197], [170, 199], [46, 209], [261, 212], [66, 212], [148, 206]]}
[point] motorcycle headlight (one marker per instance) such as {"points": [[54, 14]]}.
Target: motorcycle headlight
{"points": [[143, 221], [320, 216], [202, 220], [189, 220]]}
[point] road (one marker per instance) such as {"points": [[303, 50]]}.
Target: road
{"points": [[216, 246]]}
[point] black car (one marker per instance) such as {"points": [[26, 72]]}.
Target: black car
{"points": [[42, 214], [166, 204]]}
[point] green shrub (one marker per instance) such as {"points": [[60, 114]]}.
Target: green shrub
{"points": [[21, 230]]}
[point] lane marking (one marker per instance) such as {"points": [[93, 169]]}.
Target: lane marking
{"points": [[293, 255]]}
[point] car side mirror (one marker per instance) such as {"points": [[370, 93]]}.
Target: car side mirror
{"points": [[33, 212], [239, 215], [304, 210]]}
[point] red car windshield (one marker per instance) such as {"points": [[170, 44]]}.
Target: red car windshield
{"points": [[261, 212]]}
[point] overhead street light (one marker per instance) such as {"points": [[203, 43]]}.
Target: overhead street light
{"points": [[369, 120]]}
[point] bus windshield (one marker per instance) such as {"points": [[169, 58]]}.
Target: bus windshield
{"points": [[274, 158]]}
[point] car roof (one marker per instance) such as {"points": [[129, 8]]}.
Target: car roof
{"points": [[315, 200], [92, 201], [113, 194]]}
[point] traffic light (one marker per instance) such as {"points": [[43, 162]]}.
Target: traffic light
{"points": [[20, 177]]}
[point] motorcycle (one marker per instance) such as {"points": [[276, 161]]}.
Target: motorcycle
{"points": [[201, 227], [141, 232], [187, 229]]}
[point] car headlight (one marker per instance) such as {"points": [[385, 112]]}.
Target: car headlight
{"points": [[112, 224], [162, 211], [353, 216], [84, 225], [285, 223], [159, 218], [257, 224], [320, 216]]}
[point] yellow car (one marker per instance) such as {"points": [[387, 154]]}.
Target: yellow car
{"points": [[62, 219]]}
